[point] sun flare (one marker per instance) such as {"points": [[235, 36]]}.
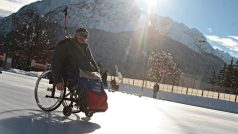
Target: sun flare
{"points": [[151, 5]]}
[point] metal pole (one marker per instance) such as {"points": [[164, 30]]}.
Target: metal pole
{"points": [[146, 62], [219, 93], [65, 20], [236, 95], [187, 91], [142, 85]]}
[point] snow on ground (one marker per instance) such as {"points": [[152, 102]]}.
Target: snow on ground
{"points": [[182, 98], [18, 71], [29, 73], [174, 97], [127, 114]]}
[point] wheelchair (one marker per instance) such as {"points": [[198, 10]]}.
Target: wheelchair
{"points": [[49, 99]]}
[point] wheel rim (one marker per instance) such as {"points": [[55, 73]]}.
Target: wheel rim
{"points": [[47, 104]]}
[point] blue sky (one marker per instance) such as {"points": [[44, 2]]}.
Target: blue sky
{"points": [[209, 16], [216, 19]]}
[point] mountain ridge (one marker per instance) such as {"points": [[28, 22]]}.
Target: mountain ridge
{"points": [[116, 16], [122, 49], [117, 32]]}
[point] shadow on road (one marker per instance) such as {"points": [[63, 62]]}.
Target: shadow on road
{"points": [[31, 121]]}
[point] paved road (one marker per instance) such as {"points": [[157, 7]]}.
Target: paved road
{"points": [[127, 114]]}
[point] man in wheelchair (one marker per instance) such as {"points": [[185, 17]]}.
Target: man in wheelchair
{"points": [[73, 60], [70, 55]]}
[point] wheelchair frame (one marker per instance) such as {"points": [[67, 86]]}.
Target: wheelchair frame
{"points": [[69, 97]]}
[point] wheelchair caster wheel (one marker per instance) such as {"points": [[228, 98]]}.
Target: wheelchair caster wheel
{"points": [[89, 114], [67, 111]]}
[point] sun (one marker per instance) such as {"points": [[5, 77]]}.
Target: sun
{"points": [[151, 10], [151, 6], [154, 6]]}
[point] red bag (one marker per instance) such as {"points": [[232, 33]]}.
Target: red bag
{"points": [[96, 96], [97, 101]]}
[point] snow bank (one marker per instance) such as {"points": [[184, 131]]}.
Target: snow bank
{"points": [[204, 102], [18, 71]]}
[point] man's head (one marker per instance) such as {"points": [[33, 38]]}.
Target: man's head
{"points": [[81, 35]]}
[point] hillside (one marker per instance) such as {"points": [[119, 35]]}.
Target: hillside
{"points": [[116, 35], [112, 16], [123, 49]]}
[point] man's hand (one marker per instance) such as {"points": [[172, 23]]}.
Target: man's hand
{"points": [[60, 86]]}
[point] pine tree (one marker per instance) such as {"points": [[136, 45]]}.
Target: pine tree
{"points": [[228, 77], [235, 77], [221, 76], [213, 79]]}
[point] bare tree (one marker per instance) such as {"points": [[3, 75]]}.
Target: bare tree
{"points": [[162, 67]]}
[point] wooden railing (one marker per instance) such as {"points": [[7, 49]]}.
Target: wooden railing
{"points": [[179, 89]]}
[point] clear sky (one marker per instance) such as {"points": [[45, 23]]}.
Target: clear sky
{"points": [[209, 16], [216, 19]]}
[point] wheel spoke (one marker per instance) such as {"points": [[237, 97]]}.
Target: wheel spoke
{"points": [[42, 91]]}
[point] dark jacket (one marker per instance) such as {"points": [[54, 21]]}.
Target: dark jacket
{"points": [[156, 87], [104, 76], [70, 55]]}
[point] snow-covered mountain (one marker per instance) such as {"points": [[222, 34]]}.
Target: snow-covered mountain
{"points": [[113, 16], [192, 38]]}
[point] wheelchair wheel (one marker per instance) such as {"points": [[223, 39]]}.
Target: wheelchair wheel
{"points": [[70, 100], [47, 97], [89, 114], [67, 111]]}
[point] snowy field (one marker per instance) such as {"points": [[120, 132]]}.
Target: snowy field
{"points": [[127, 114]]}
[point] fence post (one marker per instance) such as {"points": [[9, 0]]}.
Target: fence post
{"points": [[236, 95], [187, 91], [142, 86], [202, 92], [183, 82], [213, 92], [219, 93], [230, 95], [172, 88], [133, 81], [193, 83]]}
